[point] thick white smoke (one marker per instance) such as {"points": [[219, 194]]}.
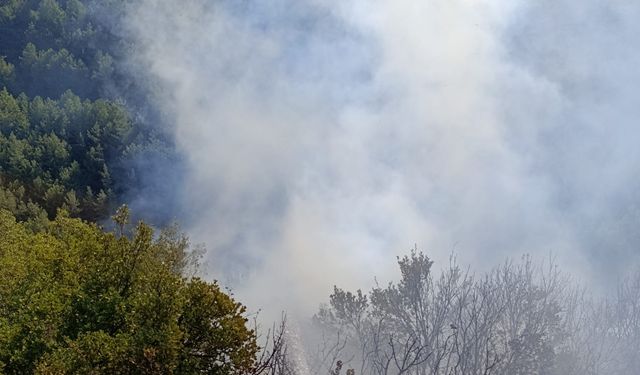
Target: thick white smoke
{"points": [[325, 137]]}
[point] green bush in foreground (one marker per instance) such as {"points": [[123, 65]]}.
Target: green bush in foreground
{"points": [[76, 299]]}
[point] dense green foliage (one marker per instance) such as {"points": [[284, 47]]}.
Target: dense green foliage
{"points": [[75, 299], [67, 139], [51, 46], [60, 153]]}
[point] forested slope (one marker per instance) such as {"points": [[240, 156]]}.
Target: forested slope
{"points": [[71, 129], [76, 137]]}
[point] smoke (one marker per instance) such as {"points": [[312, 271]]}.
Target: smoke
{"points": [[322, 137]]}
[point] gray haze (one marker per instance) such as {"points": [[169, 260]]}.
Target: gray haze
{"points": [[324, 137]]}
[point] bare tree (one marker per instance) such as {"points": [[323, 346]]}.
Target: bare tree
{"points": [[623, 328], [274, 358], [510, 321], [518, 319]]}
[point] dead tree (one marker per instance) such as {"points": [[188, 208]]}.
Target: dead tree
{"points": [[510, 321], [274, 358]]}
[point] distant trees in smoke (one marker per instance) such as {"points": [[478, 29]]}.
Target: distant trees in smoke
{"points": [[517, 319]]}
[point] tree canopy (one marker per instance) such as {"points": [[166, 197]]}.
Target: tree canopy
{"points": [[77, 299]]}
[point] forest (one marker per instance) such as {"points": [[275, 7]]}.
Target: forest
{"points": [[68, 132], [86, 289], [75, 297]]}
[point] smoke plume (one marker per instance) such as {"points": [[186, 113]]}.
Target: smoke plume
{"points": [[324, 137]]}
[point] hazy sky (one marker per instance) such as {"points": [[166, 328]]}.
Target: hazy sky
{"points": [[322, 138]]}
